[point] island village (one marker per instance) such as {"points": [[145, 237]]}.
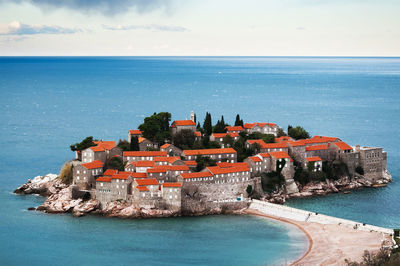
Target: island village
{"points": [[200, 166]]}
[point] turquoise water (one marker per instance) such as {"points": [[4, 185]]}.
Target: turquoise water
{"points": [[48, 103]]}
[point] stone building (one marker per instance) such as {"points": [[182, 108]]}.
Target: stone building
{"points": [[171, 160], [121, 186], [134, 133], [84, 175], [264, 128], [146, 145], [139, 166], [219, 155], [321, 151], [234, 129], [297, 150], [146, 192], [171, 194], [316, 162], [220, 137], [171, 149], [373, 161], [129, 156], [103, 151], [280, 157], [103, 189], [255, 165], [179, 125]]}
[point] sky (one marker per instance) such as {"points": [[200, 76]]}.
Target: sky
{"points": [[200, 28]]}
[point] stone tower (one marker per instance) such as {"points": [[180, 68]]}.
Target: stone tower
{"points": [[192, 116]]}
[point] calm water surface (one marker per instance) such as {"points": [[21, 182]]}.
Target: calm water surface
{"points": [[46, 104]]}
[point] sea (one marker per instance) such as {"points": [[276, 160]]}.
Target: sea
{"points": [[49, 103]]}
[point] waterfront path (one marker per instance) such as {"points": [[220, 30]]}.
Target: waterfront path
{"points": [[331, 240]]}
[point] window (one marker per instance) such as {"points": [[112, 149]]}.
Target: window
{"points": [[117, 186], [101, 184], [77, 178], [77, 171]]}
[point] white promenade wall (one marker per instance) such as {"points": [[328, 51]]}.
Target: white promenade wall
{"points": [[306, 216]]}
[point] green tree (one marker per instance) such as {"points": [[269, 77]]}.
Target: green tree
{"points": [[84, 144], [281, 133], [228, 141], [198, 126], [115, 163], [134, 145], [203, 162], [207, 125], [272, 181], [156, 127], [124, 145], [237, 120], [298, 132], [184, 139], [267, 138], [220, 126]]}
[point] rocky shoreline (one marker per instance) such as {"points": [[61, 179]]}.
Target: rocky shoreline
{"points": [[344, 184], [60, 198]]}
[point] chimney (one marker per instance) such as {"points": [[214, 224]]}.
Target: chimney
{"points": [[357, 148]]}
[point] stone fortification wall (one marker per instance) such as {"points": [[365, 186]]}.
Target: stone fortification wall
{"points": [[306, 216]]}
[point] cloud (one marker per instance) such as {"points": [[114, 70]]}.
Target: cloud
{"points": [[17, 28], [154, 27], [106, 7]]}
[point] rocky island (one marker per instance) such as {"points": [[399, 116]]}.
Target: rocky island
{"points": [[183, 168]]}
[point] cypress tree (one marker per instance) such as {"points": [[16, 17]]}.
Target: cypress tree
{"points": [[237, 121], [207, 125], [134, 144]]}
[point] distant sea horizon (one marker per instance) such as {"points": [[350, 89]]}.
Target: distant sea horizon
{"points": [[51, 102]]}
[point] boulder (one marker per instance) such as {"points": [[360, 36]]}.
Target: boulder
{"points": [[85, 207]]}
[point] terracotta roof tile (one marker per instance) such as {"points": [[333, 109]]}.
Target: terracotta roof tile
{"points": [[146, 182], [313, 159], [142, 188], [317, 147], [195, 175], [209, 151], [135, 132], [280, 155], [235, 128], [190, 163], [226, 164], [144, 153], [110, 172], [103, 179], [343, 146], [175, 184], [216, 170], [93, 165], [183, 123], [166, 145]]}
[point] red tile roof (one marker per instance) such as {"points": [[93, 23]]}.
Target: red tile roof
{"points": [[146, 182], [166, 145], [108, 145], [175, 184], [103, 179], [143, 163], [235, 128], [197, 133], [216, 170], [195, 175], [122, 175], [144, 153], [141, 139], [157, 170], [297, 143], [313, 159], [317, 147], [258, 141], [343, 146], [209, 151], [280, 145], [135, 132], [183, 123], [280, 155], [320, 139], [190, 163], [93, 165], [142, 188], [251, 125], [255, 159], [283, 138], [179, 168], [264, 155], [110, 172], [170, 159], [139, 175], [223, 135]]}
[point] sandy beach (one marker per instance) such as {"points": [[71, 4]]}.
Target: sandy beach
{"points": [[332, 244]]}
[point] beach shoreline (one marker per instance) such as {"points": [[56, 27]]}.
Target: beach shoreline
{"points": [[331, 244]]}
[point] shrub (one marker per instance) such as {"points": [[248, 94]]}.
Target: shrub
{"points": [[84, 144], [272, 181], [66, 173], [124, 145], [115, 163], [298, 132]]}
